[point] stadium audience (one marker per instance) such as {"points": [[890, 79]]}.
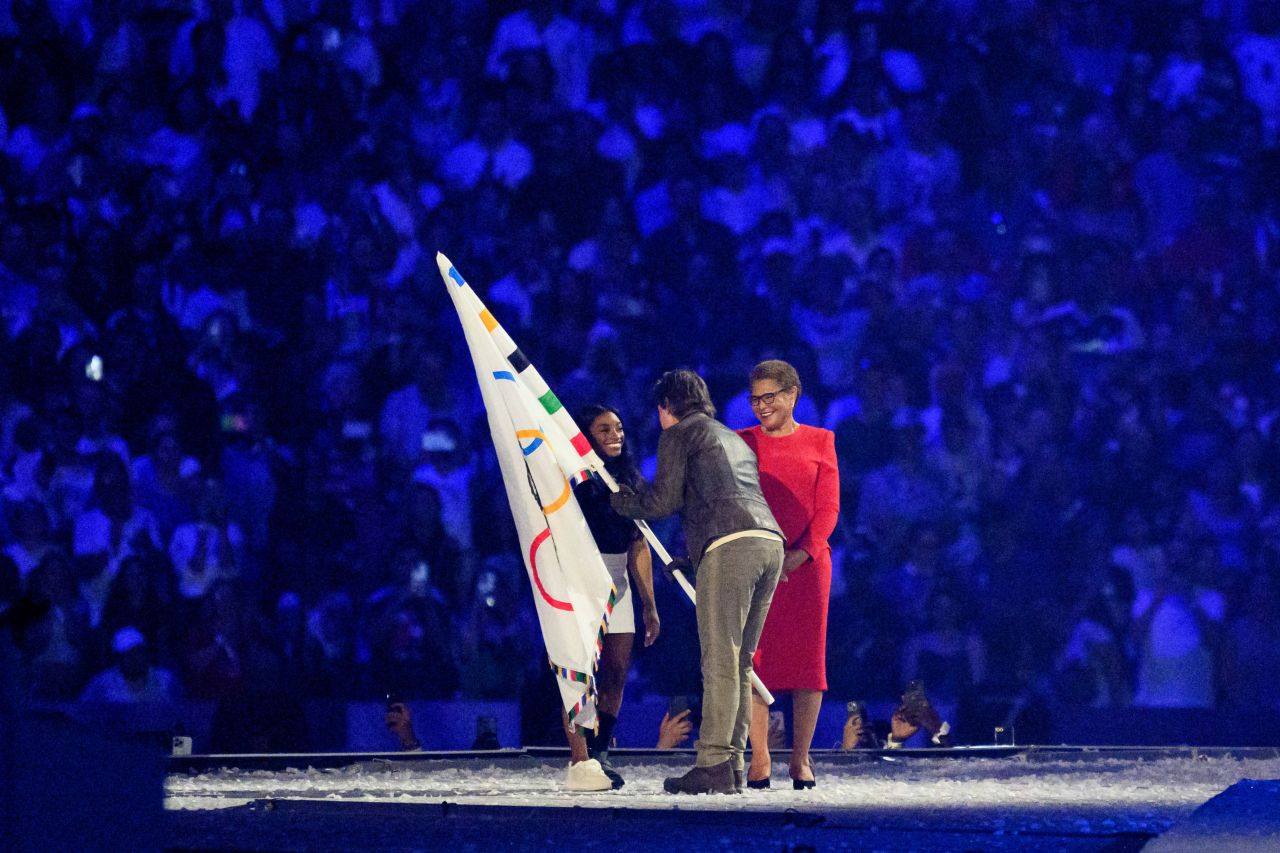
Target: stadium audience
{"points": [[1031, 257]]}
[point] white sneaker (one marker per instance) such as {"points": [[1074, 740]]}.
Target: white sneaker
{"points": [[587, 776]]}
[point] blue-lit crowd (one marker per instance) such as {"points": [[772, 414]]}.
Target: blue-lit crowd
{"points": [[1025, 255]]}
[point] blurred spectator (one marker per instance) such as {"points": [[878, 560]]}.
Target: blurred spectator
{"points": [[208, 549], [948, 655], [1093, 668], [1220, 511], [69, 474], [163, 480], [60, 644], [1178, 81], [1251, 659], [1258, 54], [133, 694], [496, 627], [252, 463], [329, 653], [289, 632], [141, 598], [408, 410], [408, 629], [450, 468], [1141, 558], [865, 438], [113, 529], [899, 495], [422, 528], [492, 154], [229, 653], [1175, 627], [28, 524], [568, 44], [690, 238], [909, 586], [910, 178], [10, 584]]}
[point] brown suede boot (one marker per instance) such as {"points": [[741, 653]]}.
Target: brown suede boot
{"points": [[717, 779]]}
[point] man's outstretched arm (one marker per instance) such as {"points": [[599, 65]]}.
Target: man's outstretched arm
{"points": [[665, 495]]}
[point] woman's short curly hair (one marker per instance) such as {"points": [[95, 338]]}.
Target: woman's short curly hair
{"points": [[779, 371]]}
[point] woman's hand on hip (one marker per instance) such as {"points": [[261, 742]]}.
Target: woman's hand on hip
{"points": [[793, 559]]}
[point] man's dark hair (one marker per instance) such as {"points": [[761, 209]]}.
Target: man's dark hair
{"points": [[683, 393]]}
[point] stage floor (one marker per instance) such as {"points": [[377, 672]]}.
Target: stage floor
{"points": [[1007, 799]]}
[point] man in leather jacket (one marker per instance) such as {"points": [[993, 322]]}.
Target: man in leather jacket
{"points": [[709, 475]]}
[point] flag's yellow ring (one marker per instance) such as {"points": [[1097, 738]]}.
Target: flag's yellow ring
{"points": [[559, 502]]}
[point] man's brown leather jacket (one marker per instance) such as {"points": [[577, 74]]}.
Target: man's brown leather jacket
{"points": [[709, 475]]}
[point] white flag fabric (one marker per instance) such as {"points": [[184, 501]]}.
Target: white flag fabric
{"points": [[572, 590]]}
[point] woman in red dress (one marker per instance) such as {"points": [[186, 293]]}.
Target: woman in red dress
{"points": [[799, 478]]}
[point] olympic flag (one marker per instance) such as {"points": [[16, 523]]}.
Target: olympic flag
{"points": [[573, 593], [568, 446]]}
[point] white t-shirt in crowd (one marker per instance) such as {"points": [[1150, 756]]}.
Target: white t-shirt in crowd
{"points": [[249, 52], [569, 47], [194, 579], [454, 488], [26, 559], [1176, 667], [509, 164], [405, 416], [111, 687], [92, 535], [1258, 57]]}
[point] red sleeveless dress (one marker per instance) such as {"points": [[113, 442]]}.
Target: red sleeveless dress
{"points": [[801, 482]]}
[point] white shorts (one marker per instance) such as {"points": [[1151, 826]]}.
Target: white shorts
{"points": [[623, 620]]}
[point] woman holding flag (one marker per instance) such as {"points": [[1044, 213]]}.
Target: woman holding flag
{"points": [[538, 447], [625, 553]]}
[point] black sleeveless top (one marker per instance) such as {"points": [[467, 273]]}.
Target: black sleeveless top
{"points": [[612, 532]]}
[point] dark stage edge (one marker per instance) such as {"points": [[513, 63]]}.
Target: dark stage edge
{"points": [[325, 823], [292, 825]]}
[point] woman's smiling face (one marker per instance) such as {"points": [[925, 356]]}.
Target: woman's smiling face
{"points": [[772, 404], [607, 433]]}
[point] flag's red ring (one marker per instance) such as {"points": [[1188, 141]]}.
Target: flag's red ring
{"points": [[533, 568]]}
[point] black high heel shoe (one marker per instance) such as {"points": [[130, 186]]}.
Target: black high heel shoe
{"points": [[758, 784], [804, 784]]}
